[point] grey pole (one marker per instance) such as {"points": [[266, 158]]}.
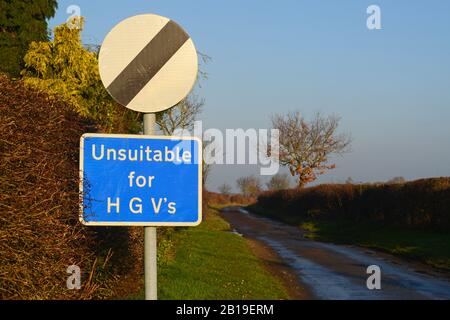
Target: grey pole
{"points": [[150, 276]]}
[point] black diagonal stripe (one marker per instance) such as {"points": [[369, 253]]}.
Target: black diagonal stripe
{"points": [[147, 63]]}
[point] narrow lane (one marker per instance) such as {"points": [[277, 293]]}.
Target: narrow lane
{"points": [[335, 271]]}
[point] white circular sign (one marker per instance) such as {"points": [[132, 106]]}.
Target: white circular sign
{"points": [[148, 63]]}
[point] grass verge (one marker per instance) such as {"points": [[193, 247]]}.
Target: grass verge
{"points": [[429, 247], [210, 262]]}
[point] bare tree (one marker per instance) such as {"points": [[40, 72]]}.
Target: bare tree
{"points": [[306, 146], [206, 167], [225, 189], [349, 181], [279, 181], [184, 114], [204, 59], [250, 186], [181, 116], [396, 180]]}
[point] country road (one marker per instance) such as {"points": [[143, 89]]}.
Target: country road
{"points": [[331, 271]]}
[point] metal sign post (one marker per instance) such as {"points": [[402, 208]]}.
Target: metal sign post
{"points": [[150, 243]]}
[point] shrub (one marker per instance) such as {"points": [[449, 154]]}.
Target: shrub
{"points": [[421, 203], [211, 198], [39, 229]]}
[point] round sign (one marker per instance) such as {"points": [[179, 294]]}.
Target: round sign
{"points": [[148, 63]]}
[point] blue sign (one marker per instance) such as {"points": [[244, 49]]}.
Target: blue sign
{"points": [[134, 180]]}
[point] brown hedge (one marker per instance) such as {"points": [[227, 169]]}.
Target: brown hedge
{"points": [[422, 203], [40, 235], [212, 198]]}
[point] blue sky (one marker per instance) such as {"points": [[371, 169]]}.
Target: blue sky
{"points": [[391, 86]]}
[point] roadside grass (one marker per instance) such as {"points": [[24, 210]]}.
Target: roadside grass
{"points": [[210, 262], [429, 247]]}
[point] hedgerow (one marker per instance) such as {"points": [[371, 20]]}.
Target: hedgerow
{"points": [[422, 203], [40, 235]]}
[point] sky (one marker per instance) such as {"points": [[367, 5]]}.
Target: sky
{"points": [[391, 87]]}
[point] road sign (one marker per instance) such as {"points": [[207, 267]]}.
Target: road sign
{"points": [[136, 180], [148, 63]]}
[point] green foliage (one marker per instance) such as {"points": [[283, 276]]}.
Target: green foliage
{"points": [[65, 69], [21, 22]]}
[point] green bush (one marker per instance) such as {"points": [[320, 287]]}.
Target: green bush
{"points": [[66, 70]]}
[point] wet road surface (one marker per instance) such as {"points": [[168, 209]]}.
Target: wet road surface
{"points": [[339, 272]]}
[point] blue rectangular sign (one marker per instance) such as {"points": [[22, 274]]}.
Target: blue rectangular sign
{"points": [[134, 180]]}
